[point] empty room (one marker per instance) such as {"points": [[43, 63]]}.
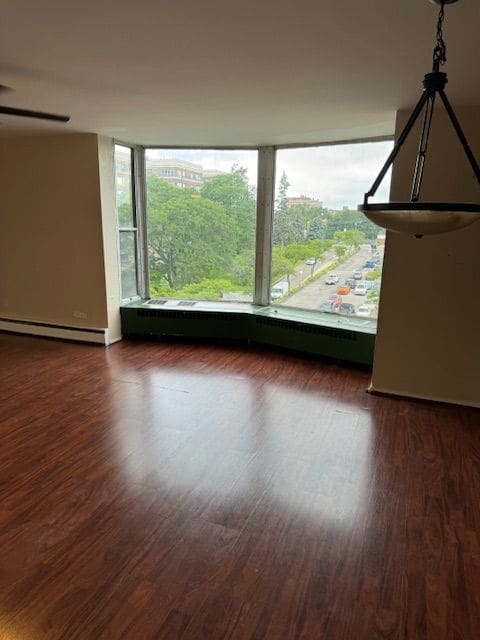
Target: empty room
{"points": [[239, 337]]}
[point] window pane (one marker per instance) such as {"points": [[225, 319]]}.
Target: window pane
{"points": [[327, 256], [201, 207], [123, 186], [128, 266]]}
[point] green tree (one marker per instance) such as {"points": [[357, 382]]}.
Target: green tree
{"points": [[347, 220], [340, 250], [298, 252], [210, 289], [352, 237], [316, 229], [232, 191], [282, 267], [282, 227], [373, 296], [287, 229], [190, 238], [281, 203], [374, 275], [243, 269]]}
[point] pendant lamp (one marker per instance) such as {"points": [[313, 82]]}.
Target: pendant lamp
{"points": [[414, 217]]}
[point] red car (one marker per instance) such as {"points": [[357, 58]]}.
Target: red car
{"points": [[343, 291], [335, 300]]}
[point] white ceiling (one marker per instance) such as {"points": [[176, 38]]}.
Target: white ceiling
{"points": [[229, 72]]}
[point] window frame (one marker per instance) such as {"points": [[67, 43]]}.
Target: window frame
{"points": [[138, 217], [266, 177]]}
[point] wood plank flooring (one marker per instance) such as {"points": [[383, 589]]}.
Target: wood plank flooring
{"points": [[190, 492]]}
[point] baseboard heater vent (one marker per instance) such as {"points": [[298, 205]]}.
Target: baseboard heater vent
{"points": [[189, 315], [163, 301], [157, 301], [331, 332], [64, 332]]}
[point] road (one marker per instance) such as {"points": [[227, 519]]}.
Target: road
{"points": [[313, 294], [304, 271]]}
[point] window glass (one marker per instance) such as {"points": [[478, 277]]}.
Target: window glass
{"points": [[201, 209], [123, 186], [126, 221], [327, 256], [128, 266]]}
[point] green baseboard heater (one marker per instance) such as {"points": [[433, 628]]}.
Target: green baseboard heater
{"points": [[311, 332]]}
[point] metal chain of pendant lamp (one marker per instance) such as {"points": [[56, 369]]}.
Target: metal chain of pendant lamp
{"points": [[415, 217]]}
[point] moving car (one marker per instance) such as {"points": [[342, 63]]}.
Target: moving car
{"points": [[357, 275], [332, 278], [370, 264], [351, 282], [311, 261]]}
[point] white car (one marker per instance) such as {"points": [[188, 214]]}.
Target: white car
{"points": [[361, 289], [311, 261], [364, 311], [332, 278]]}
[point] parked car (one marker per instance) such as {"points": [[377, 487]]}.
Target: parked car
{"points": [[311, 261], [332, 278], [327, 307], [351, 282], [346, 309], [279, 289], [335, 300], [361, 289], [364, 311], [343, 291], [370, 264], [357, 275]]}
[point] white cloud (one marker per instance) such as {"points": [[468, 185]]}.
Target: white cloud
{"points": [[337, 175]]}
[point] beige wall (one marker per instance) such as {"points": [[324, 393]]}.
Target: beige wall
{"points": [[428, 341], [51, 243]]}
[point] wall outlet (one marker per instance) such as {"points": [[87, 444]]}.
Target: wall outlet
{"points": [[80, 314]]}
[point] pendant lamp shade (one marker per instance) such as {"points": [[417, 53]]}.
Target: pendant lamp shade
{"points": [[416, 217]]}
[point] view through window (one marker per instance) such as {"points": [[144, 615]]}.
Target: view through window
{"points": [[326, 256], [201, 211], [126, 221]]}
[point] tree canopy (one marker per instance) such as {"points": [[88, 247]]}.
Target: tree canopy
{"points": [[185, 233], [202, 243], [234, 194]]}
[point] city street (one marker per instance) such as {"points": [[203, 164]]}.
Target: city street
{"points": [[313, 294]]}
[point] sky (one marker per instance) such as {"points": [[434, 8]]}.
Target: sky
{"points": [[337, 175]]}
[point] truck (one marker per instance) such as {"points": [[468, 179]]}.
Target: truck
{"points": [[279, 289]]}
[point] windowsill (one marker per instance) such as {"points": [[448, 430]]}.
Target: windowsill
{"points": [[292, 314]]}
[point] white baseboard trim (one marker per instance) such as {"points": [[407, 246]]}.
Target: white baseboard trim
{"points": [[419, 396], [81, 334]]}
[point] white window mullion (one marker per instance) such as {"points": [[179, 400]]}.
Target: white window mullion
{"points": [[141, 220], [265, 206]]}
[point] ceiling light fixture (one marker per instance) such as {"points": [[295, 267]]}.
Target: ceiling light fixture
{"points": [[421, 218]]}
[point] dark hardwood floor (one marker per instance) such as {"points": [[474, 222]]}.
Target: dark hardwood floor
{"points": [[193, 492]]}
